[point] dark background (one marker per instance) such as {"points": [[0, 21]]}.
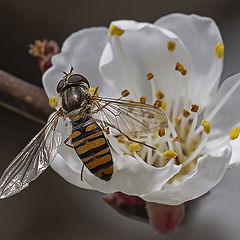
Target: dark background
{"points": [[52, 208]]}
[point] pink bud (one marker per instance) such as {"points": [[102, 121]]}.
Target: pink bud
{"points": [[43, 51], [164, 218], [129, 206]]}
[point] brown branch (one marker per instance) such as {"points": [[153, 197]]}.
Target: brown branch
{"points": [[24, 98]]}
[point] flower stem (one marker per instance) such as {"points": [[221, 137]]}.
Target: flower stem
{"points": [[24, 98]]}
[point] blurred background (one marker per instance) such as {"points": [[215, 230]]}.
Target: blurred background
{"points": [[52, 208]]}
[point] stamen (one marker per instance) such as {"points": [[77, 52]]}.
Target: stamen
{"points": [[185, 113], [196, 152], [206, 126], [53, 101], [179, 67], [169, 154], [143, 99], [149, 152], [192, 133], [194, 108], [115, 31], [160, 95], [161, 132], [106, 130], [121, 139], [177, 121], [125, 93], [157, 104], [150, 76], [164, 105], [234, 133], [93, 91], [184, 71], [171, 46], [171, 130], [134, 147], [176, 139], [219, 49]]}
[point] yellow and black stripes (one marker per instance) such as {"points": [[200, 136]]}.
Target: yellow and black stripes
{"points": [[91, 146]]}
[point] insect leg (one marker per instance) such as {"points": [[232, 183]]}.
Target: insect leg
{"points": [[71, 146], [130, 139], [111, 146], [66, 142], [95, 92], [82, 173]]}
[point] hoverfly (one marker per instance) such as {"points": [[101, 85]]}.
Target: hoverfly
{"points": [[90, 115]]}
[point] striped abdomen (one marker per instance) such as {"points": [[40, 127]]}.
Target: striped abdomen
{"points": [[91, 146]]}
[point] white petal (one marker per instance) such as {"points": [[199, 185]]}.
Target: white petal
{"points": [[235, 158], [62, 168], [133, 176], [209, 172], [200, 36], [224, 111], [82, 50], [141, 49]]}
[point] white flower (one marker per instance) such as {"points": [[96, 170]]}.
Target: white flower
{"points": [[183, 58]]}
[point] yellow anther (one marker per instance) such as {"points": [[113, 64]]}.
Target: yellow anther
{"points": [[179, 67], [125, 93], [184, 71], [157, 104], [161, 132], [106, 130], [185, 113], [121, 139], [171, 46], [53, 101], [164, 105], [134, 147], [177, 121], [169, 154], [206, 126], [143, 99], [116, 31], [93, 91], [160, 95], [176, 139], [194, 108], [219, 50], [150, 76], [234, 133]]}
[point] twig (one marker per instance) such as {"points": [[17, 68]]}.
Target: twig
{"points": [[24, 98]]}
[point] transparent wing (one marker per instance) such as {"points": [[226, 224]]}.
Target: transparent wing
{"points": [[132, 118], [31, 161]]}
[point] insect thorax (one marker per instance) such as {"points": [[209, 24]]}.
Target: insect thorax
{"points": [[75, 103]]}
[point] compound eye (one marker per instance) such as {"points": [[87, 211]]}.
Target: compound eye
{"points": [[60, 86], [77, 78]]}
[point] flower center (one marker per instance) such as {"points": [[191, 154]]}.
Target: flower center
{"points": [[181, 142]]}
